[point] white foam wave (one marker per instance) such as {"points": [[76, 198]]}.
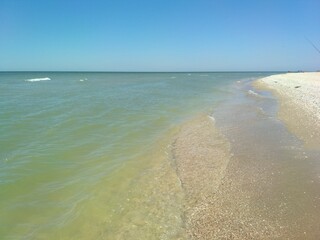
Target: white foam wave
{"points": [[38, 79], [250, 92], [212, 118]]}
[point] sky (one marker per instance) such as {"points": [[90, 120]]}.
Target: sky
{"points": [[159, 35]]}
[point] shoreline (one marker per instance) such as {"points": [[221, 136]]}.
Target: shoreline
{"points": [[245, 181], [298, 95], [217, 203]]}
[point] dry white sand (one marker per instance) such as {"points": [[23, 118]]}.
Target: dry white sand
{"points": [[299, 95]]}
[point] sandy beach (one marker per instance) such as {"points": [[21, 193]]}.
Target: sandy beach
{"points": [[218, 200], [160, 120], [257, 180], [299, 101]]}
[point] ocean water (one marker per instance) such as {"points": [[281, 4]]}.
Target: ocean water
{"points": [[85, 155]]}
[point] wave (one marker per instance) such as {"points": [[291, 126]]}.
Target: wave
{"points": [[212, 118], [251, 92], [38, 79]]}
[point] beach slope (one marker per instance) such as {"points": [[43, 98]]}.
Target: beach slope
{"points": [[299, 102]]}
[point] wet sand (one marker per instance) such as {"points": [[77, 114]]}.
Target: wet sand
{"points": [[244, 175], [299, 98], [218, 204], [201, 156]]}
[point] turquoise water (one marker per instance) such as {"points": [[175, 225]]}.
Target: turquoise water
{"points": [[82, 155]]}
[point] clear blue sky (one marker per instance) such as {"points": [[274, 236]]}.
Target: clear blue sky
{"points": [[159, 35]]}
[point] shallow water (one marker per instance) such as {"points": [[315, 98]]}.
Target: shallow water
{"points": [[83, 155]]}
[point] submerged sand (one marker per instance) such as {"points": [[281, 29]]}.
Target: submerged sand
{"points": [[218, 200], [299, 95]]}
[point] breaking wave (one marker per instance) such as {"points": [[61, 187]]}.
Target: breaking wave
{"points": [[253, 93], [38, 79]]}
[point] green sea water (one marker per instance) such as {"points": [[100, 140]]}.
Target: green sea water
{"points": [[84, 155]]}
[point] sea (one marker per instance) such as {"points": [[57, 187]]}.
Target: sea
{"points": [[86, 155]]}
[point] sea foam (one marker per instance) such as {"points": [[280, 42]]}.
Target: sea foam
{"points": [[251, 92], [38, 79], [212, 118]]}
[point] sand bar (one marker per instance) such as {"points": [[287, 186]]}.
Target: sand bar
{"points": [[299, 95]]}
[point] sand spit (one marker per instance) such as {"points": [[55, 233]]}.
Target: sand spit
{"points": [[299, 95], [219, 204]]}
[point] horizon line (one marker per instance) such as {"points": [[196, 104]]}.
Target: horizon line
{"points": [[102, 71]]}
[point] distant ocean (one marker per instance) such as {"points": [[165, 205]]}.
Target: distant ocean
{"points": [[82, 153]]}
